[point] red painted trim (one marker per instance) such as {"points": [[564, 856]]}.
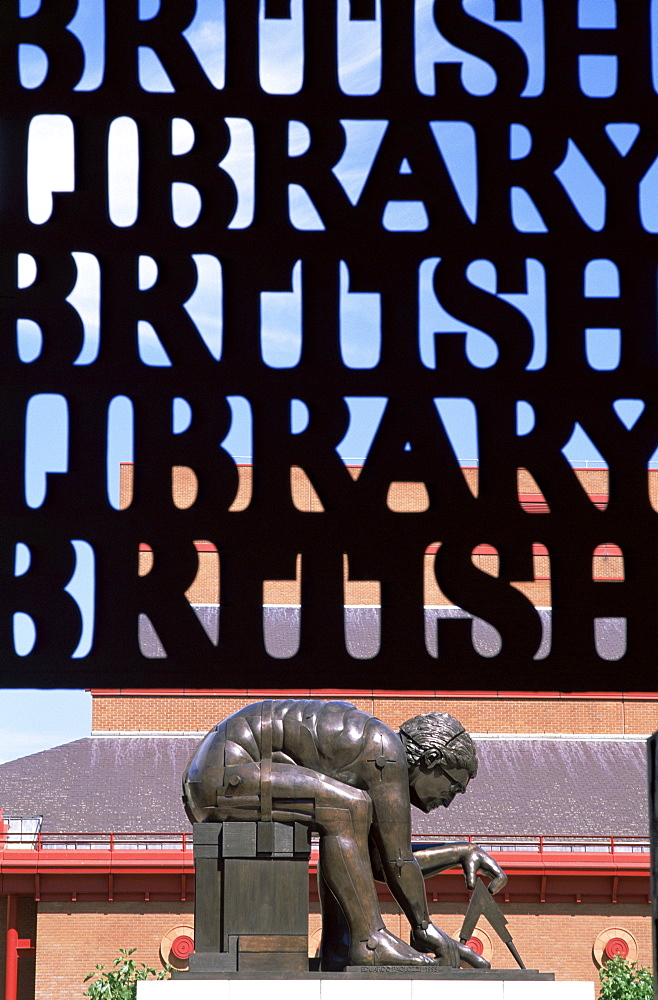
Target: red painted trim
{"points": [[345, 692], [11, 953], [574, 695], [168, 875], [103, 862], [353, 693], [141, 692], [564, 695], [262, 692], [177, 862], [466, 694], [529, 695], [213, 693], [381, 693]]}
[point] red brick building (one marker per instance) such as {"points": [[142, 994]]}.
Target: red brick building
{"points": [[104, 859]]}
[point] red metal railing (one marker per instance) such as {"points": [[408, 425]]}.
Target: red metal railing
{"points": [[131, 841], [543, 844], [98, 841]]}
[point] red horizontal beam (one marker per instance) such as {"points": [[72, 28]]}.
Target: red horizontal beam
{"points": [[99, 862], [380, 693], [531, 878], [31, 862]]}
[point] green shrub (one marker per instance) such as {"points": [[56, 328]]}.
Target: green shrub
{"points": [[120, 982], [624, 980]]}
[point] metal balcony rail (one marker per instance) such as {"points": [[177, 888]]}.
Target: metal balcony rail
{"points": [[100, 842], [542, 844], [130, 841]]}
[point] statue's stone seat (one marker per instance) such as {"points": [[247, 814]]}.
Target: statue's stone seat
{"points": [[251, 897]]}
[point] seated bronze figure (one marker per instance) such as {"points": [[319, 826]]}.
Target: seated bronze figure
{"points": [[350, 778]]}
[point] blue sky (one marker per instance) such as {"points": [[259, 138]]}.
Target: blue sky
{"points": [[31, 720]]}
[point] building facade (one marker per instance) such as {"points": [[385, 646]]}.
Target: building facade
{"points": [[97, 850]]}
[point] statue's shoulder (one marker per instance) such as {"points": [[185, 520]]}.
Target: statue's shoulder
{"points": [[365, 729], [310, 709]]}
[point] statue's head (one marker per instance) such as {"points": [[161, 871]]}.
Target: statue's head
{"points": [[441, 756]]}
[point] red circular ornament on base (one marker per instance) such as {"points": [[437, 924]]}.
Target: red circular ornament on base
{"points": [[475, 945], [182, 946], [177, 945], [479, 942], [617, 946], [613, 942]]}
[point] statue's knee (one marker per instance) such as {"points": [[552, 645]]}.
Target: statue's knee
{"points": [[349, 810]]}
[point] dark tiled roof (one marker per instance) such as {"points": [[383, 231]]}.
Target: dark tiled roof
{"points": [[103, 784], [550, 787]]}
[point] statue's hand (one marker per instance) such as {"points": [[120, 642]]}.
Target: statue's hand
{"points": [[475, 860], [430, 938], [448, 951]]}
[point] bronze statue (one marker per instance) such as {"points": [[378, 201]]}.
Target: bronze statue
{"points": [[348, 776]]}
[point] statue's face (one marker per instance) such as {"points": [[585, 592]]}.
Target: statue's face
{"points": [[431, 785]]}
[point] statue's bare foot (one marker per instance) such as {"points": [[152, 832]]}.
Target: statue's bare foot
{"points": [[384, 948]]}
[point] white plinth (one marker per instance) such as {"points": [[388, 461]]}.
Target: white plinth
{"points": [[368, 989]]}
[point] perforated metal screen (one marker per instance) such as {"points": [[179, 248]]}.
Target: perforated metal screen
{"points": [[389, 212]]}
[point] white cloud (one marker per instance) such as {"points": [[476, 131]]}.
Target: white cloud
{"points": [[282, 52]]}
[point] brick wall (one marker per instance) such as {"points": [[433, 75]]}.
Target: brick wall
{"points": [[74, 937], [552, 937], [480, 713]]}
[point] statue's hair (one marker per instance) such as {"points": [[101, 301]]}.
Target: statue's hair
{"points": [[440, 731]]}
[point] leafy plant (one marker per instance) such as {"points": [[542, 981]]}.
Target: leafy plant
{"points": [[624, 980], [119, 982]]}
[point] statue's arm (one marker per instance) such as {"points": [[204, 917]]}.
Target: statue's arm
{"points": [[470, 857], [382, 771], [391, 833]]}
